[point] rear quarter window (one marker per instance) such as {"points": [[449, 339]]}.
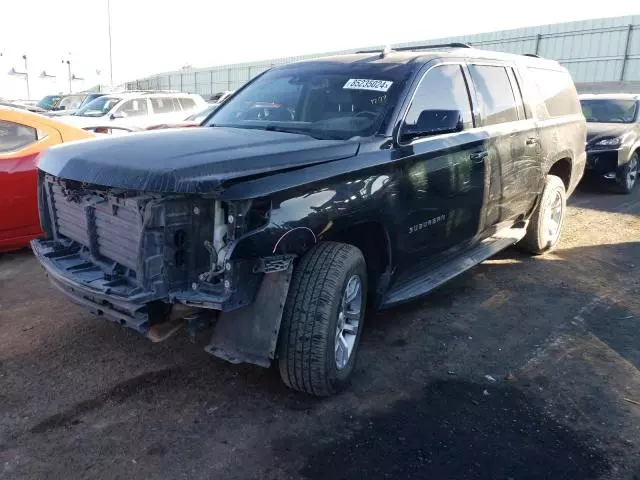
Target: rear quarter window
{"points": [[187, 103], [14, 136], [557, 91]]}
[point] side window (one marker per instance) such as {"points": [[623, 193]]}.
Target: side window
{"points": [[497, 101], [442, 93], [14, 136], [557, 90], [162, 105], [135, 107], [187, 103]]}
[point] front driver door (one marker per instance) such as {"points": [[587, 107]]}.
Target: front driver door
{"points": [[444, 175]]}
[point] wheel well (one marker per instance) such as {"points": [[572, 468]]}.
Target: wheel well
{"points": [[562, 169], [373, 241]]}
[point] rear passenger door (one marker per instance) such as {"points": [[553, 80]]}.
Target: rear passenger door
{"points": [[513, 144]]}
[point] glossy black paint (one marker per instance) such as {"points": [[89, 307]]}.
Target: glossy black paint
{"points": [[187, 160], [400, 203]]}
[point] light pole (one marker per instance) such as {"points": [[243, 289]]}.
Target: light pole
{"points": [[26, 75], [110, 54], [68, 62]]}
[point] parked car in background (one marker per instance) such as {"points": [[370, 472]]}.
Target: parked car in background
{"points": [[193, 120], [23, 135], [48, 102], [138, 110], [21, 106], [613, 137], [25, 102], [319, 188], [220, 97], [69, 105]]}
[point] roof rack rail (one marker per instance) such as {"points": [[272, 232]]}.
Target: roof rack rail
{"points": [[535, 55], [420, 47], [436, 45]]}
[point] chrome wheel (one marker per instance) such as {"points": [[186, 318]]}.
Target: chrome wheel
{"points": [[349, 315], [632, 173], [553, 218]]}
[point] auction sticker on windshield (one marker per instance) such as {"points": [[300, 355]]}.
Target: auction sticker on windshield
{"points": [[364, 84]]}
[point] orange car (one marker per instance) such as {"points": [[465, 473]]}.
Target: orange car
{"points": [[23, 135]]}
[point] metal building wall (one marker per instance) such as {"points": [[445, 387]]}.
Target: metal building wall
{"points": [[594, 51]]}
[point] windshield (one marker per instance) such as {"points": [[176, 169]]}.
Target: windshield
{"points": [[315, 103], [609, 110], [70, 102], [48, 102], [89, 98], [98, 107]]}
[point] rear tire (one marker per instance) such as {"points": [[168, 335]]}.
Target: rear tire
{"points": [[628, 174], [546, 222], [314, 315]]}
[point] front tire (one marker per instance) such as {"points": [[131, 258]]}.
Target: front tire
{"points": [[546, 223], [629, 174], [322, 319]]}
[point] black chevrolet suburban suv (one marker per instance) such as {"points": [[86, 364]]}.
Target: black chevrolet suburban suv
{"points": [[319, 189]]}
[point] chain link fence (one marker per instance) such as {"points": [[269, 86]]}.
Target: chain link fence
{"points": [[594, 51]]}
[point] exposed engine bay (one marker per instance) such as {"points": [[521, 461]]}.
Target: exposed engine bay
{"points": [[143, 249]]}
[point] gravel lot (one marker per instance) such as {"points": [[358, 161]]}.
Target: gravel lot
{"points": [[522, 368]]}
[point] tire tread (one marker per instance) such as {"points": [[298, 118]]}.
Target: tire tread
{"points": [[306, 317]]}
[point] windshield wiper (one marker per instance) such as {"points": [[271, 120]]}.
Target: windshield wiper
{"points": [[317, 134]]}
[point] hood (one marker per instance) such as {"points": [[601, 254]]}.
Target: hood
{"points": [[188, 160], [598, 131], [61, 113], [78, 121]]}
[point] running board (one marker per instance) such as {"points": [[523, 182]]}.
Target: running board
{"points": [[428, 275]]}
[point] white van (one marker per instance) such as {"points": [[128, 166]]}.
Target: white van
{"points": [[135, 110]]}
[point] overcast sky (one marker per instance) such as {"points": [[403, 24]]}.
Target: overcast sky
{"points": [[149, 37]]}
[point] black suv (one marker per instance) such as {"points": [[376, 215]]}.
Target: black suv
{"points": [[316, 190], [613, 137]]}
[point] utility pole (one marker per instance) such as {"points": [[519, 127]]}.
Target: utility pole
{"points": [[68, 62], [26, 75], [110, 51]]}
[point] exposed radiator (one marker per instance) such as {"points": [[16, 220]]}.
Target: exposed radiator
{"points": [[110, 227]]}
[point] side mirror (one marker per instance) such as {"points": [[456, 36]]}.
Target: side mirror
{"points": [[433, 122], [61, 107], [116, 115]]}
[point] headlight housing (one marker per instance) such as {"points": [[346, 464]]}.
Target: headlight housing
{"points": [[609, 142]]}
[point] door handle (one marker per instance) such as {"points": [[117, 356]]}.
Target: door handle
{"points": [[531, 141], [478, 157]]}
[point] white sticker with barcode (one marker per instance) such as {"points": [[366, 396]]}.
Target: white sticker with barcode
{"points": [[365, 84]]}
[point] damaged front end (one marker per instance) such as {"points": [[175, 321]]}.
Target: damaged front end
{"points": [[127, 255]]}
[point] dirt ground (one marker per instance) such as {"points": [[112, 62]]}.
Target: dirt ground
{"points": [[522, 368]]}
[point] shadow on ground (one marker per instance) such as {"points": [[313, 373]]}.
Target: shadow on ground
{"points": [[605, 196], [459, 430]]}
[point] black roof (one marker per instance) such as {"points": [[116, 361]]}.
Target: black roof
{"points": [[408, 58]]}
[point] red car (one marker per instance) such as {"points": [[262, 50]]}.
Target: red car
{"points": [[23, 135]]}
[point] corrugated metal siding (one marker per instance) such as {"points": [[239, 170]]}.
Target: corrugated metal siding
{"points": [[601, 50]]}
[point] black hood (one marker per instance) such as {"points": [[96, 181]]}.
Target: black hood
{"points": [[598, 131], [188, 160]]}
